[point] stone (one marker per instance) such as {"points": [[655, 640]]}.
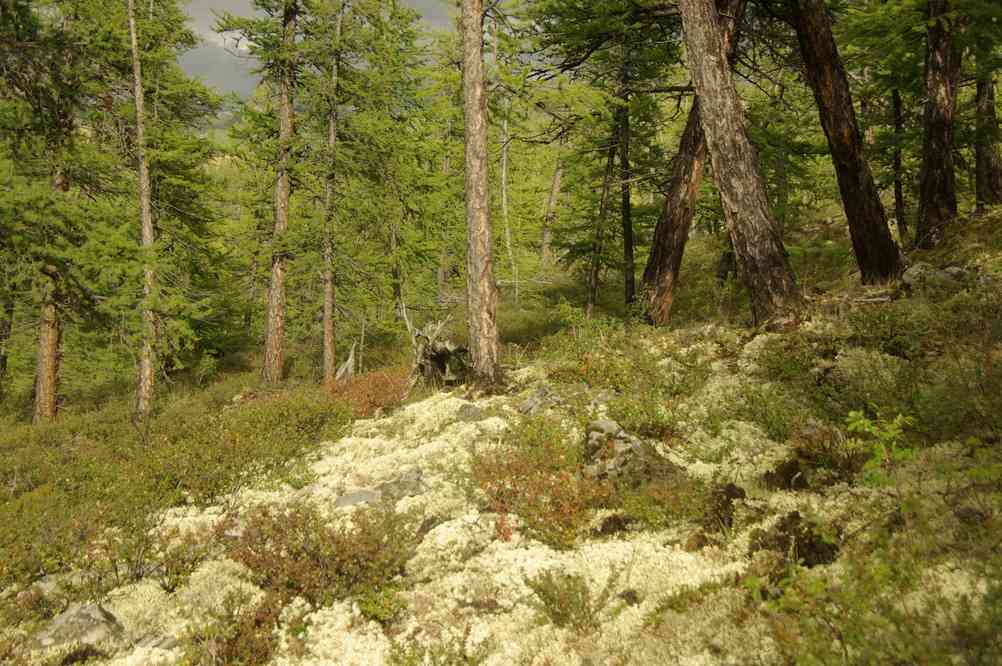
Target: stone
{"points": [[606, 427], [470, 413], [82, 624], [409, 484], [364, 496], [925, 276], [540, 399]]}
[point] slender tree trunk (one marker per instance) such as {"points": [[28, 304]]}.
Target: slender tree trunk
{"points": [[330, 333], [509, 245], [481, 292], [626, 175], [938, 190], [765, 266], [988, 164], [274, 343], [598, 239], [550, 217], [876, 252], [147, 357], [899, 176], [6, 328], [49, 358], [672, 230]]}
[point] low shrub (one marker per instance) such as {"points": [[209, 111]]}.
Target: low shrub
{"points": [[566, 600], [241, 632], [376, 390], [296, 551], [535, 473]]}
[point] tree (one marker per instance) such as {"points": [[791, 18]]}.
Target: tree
{"points": [[876, 252], [988, 164], [672, 231], [938, 189], [765, 267], [147, 358], [481, 291]]}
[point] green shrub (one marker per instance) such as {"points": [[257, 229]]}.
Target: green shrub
{"points": [[567, 601], [242, 632], [296, 551], [535, 473]]}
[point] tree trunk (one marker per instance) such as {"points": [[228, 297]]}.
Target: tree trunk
{"points": [[6, 328], [876, 252], [509, 245], [899, 177], [147, 356], [330, 333], [988, 163], [938, 190], [274, 343], [481, 291], [626, 175], [49, 358], [765, 267], [550, 217], [598, 240], [672, 231]]}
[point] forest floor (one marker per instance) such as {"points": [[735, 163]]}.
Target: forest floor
{"points": [[712, 494]]}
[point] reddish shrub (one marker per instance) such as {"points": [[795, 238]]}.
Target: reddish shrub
{"points": [[375, 390]]}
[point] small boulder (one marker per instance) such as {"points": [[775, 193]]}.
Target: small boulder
{"points": [[82, 624], [364, 496], [409, 484]]}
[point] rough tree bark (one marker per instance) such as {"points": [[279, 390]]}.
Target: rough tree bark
{"points": [[765, 266], [274, 341], [988, 164], [147, 356], [50, 333], [598, 237], [509, 243], [481, 290], [6, 328], [330, 333], [938, 189], [900, 214], [550, 217], [626, 207], [877, 254], [672, 231]]}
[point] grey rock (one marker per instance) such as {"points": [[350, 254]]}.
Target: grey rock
{"points": [[925, 276], [364, 496], [606, 427], [538, 400], [470, 413], [409, 484], [160, 642], [83, 624]]}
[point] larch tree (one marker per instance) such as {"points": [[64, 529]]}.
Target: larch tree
{"points": [[147, 357], [764, 264], [938, 188], [671, 233], [481, 291], [877, 254]]}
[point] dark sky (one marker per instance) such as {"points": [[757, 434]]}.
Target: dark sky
{"points": [[223, 70]]}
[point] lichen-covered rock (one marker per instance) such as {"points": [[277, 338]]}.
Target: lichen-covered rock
{"points": [[87, 624]]}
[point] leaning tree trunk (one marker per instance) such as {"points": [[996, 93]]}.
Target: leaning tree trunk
{"points": [[899, 177], [147, 356], [877, 254], [274, 342], [330, 333], [765, 266], [938, 190], [481, 291], [6, 328], [672, 231], [49, 358], [988, 164], [598, 238], [550, 217], [626, 207]]}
